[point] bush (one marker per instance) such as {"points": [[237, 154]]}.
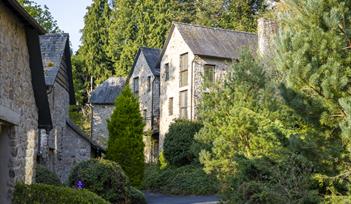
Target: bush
{"points": [[126, 129], [45, 176], [103, 177], [135, 196], [42, 193], [185, 180], [178, 142]]}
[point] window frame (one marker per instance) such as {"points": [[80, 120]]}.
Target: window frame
{"points": [[184, 70], [136, 91], [148, 83], [206, 67], [170, 106], [167, 75], [185, 106]]}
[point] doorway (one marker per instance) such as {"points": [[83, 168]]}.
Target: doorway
{"points": [[5, 155]]}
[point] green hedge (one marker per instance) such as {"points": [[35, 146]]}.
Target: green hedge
{"points": [[135, 196], [45, 176], [179, 141], [47, 194], [103, 177], [185, 180]]}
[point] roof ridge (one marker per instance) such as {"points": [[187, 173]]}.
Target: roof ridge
{"points": [[153, 48], [212, 28]]}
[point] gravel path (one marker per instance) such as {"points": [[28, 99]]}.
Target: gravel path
{"points": [[154, 198]]}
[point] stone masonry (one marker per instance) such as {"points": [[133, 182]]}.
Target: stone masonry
{"points": [[17, 101]]}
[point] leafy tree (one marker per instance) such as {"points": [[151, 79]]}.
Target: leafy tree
{"points": [[41, 14], [95, 39], [314, 54], [125, 144]]}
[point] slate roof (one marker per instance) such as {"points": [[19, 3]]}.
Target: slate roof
{"points": [[152, 56], [107, 92], [214, 42], [53, 48]]}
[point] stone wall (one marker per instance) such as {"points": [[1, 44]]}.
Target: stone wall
{"points": [[221, 68], [77, 149], [99, 130], [170, 88], [17, 100], [52, 151]]}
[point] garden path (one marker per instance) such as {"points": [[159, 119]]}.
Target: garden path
{"points": [[154, 198]]}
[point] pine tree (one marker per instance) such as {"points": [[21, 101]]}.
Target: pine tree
{"points": [[95, 39], [242, 15], [125, 143], [314, 55]]}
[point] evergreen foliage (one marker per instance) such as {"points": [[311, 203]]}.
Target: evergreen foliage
{"points": [[184, 180], [43, 193], [41, 14], [125, 143], [103, 177], [314, 53], [45, 176], [178, 142], [95, 39]]}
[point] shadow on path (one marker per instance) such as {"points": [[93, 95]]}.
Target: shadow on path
{"points": [[154, 198]]}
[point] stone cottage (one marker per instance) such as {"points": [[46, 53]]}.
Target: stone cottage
{"points": [[144, 80], [66, 144], [102, 103], [191, 56], [24, 104]]}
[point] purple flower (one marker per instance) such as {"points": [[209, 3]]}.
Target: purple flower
{"points": [[80, 184]]}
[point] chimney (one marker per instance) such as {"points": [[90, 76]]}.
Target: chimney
{"points": [[267, 32]]}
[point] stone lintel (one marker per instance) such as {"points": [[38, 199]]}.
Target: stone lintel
{"points": [[9, 116]]}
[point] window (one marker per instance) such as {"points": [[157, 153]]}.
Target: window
{"points": [[183, 104], [136, 85], [170, 106], [145, 114], [209, 73], [149, 83], [183, 81], [167, 71]]}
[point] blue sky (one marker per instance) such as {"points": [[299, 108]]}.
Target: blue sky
{"points": [[69, 15]]}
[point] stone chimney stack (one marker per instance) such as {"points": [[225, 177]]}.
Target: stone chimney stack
{"points": [[267, 33]]}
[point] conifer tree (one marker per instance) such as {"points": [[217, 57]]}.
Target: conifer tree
{"points": [[125, 143], [314, 55], [95, 38]]}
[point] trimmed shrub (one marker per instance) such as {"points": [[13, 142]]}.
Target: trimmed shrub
{"points": [[185, 180], [135, 196], [45, 176], [103, 177], [178, 142], [126, 129], [48, 194]]}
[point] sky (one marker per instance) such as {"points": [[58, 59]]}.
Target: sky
{"points": [[69, 15]]}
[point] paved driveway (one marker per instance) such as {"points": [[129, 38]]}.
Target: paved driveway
{"points": [[154, 198]]}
